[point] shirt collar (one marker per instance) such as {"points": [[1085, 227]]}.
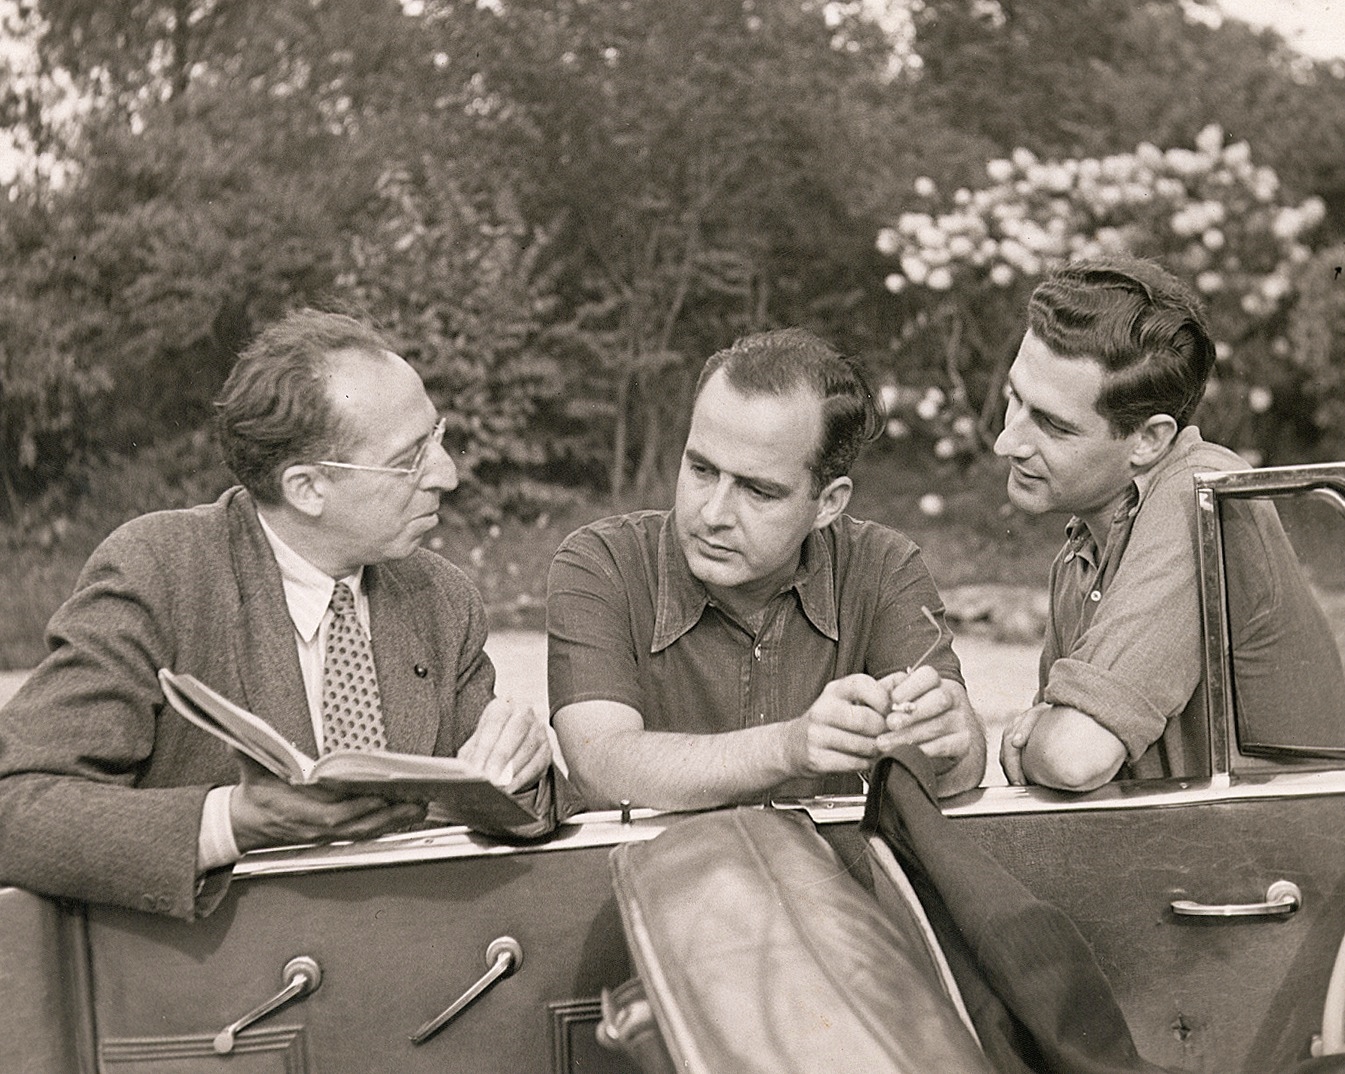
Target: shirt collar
{"points": [[1077, 533], [1186, 440], [308, 590], [682, 598]]}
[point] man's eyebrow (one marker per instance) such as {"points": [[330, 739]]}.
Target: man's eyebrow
{"points": [[761, 484], [1039, 412], [413, 448]]}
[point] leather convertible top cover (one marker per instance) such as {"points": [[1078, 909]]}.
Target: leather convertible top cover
{"points": [[759, 952]]}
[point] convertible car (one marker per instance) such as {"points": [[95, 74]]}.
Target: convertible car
{"points": [[1213, 901]]}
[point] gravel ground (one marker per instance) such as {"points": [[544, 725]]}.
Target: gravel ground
{"points": [[1000, 678]]}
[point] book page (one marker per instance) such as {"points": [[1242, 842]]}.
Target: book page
{"points": [[459, 790], [234, 725]]}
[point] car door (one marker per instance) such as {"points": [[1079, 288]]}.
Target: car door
{"points": [[392, 932], [1215, 903]]}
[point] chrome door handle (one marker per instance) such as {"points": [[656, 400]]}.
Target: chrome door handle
{"points": [[504, 955], [1282, 899], [300, 976]]}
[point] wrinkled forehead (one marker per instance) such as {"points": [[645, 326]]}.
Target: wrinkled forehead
{"points": [[755, 434]]}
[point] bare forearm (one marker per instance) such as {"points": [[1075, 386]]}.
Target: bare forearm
{"points": [[667, 770], [1070, 751]]}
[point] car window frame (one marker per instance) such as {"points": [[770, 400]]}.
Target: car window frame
{"points": [[1212, 489]]}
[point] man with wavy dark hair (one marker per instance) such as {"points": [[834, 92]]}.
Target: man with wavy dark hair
{"points": [[1100, 399], [756, 640], [310, 565]]}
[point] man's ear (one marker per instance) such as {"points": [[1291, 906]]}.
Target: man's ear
{"points": [[832, 502], [1152, 440], [304, 487]]}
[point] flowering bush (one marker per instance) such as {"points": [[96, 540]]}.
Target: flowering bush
{"points": [[1210, 214]]}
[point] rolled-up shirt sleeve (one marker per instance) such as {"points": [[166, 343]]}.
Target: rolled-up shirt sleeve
{"points": [[1138, 661]]}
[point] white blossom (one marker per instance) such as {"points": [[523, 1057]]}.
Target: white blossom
{"points": [[1312, 212], [961, 247], [911, 223], [931, 503], [1211, 139], [1259, 399]]}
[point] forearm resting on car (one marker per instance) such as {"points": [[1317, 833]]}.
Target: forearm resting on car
{"points": [[1062, 747], [612, 757]]}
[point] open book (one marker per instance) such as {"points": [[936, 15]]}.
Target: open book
{"points": [[456, 790]]}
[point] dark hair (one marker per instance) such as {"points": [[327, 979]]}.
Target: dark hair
{"points": [[275, 410], [782, 361], [1142, 324]]}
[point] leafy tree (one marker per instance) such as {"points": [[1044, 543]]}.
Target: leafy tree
{"points": [[1101, 76], [708, 167]]}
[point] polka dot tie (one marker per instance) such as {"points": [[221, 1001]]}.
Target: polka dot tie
{"points": [[351, 713]]}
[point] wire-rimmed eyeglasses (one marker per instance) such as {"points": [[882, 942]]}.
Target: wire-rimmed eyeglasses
{"points": [[417, 466]]}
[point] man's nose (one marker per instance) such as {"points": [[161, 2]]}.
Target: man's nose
{"points": [[717, 510], [1011, 444], [441, 472]]}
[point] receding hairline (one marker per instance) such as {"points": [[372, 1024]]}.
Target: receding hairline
{"points": [[344, 361]]}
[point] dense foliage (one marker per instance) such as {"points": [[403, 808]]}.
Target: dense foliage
{"points": [[558, 208]]}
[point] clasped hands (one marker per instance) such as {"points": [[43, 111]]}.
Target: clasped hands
{"points": [[509, 744], [858, 719]]}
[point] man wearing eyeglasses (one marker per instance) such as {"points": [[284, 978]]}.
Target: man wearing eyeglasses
{"points": [[307, 571]]}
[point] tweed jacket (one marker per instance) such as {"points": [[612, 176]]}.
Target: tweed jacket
{"points": [[102, 784]]}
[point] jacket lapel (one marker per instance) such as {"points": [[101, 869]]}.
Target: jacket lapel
{"points": [[409, 697], [267, 659]]}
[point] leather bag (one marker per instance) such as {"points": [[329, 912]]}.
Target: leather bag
{"points": [[759, 952]]}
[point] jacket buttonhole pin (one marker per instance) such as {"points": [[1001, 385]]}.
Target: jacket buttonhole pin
{"points": [[421, 671]]}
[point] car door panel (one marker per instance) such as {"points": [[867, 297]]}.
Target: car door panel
{"points": [[396, 945], [1216, 995]]}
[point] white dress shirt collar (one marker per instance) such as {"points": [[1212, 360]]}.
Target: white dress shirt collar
{"points": [[308, 590]]}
